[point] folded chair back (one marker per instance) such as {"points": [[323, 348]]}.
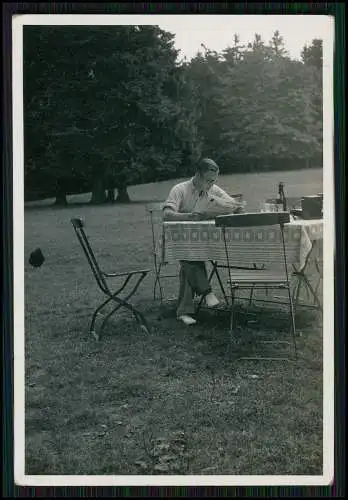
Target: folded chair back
{"points": [[272, 248], [155, 211]]}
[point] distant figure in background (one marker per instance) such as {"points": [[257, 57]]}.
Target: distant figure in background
{"points": [[36, 258], [195, 199]]}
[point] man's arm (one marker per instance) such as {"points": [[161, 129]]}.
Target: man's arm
{"points": [[171, 215], [171, 208]]}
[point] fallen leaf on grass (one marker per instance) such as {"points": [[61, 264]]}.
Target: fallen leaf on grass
{"points": [[160, 440], [101, 434], [209, 468], [235, 390], [179, 437], [162, 446], [141, 464], [161, 468], [168, 458]]}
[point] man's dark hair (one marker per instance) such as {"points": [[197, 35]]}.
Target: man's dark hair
{"points": [[206, 164]]}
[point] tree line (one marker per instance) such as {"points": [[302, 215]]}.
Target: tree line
{"points": [[108, 107]]}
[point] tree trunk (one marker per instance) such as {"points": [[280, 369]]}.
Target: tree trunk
{"points": [[122, 195], [98, 192], [111, 196], [61, 200]]}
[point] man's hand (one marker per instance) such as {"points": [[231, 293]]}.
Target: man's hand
{"points": [[171, 215], [197, 216], [240, 209]]}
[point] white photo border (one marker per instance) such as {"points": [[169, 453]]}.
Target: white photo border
{"points": [[21, 479]]}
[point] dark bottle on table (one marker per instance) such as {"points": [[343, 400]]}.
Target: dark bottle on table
{"points": [[281, 200]]}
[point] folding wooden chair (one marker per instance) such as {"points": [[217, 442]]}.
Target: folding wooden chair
{"points": [[216, 266], [155, 211], [102, 281], [260, 278]]}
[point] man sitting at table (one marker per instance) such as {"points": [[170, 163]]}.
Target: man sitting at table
{"points": [[196, 199]]}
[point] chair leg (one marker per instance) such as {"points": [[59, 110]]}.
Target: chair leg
{"points": [[155, 284], [221, 286], [292, 319], [314, 295], [158, 284], [154, 288], [251, 295], [94, 317], [121, 303], [232, 319], [319, 279], [317, 266], [296, 293], [316, 290], [161, 291], [252, 288], [106, 319], [137, 314], [140, 319]]}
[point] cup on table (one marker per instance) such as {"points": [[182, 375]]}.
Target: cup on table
{"points": [[268, 207]]}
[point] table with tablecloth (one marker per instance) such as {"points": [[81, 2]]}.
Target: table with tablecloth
{"points": [[247, 246], [203, 241]]}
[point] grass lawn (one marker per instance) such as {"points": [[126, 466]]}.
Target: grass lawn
{"points": [[172, 402]]}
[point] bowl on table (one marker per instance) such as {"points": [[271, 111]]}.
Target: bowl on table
{"points": [[271, 205]]}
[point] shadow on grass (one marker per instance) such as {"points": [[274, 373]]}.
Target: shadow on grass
{"points": [[45, 206], [253, 326]]}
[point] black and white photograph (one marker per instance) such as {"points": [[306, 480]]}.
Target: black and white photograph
{"points": [[173, 186]]}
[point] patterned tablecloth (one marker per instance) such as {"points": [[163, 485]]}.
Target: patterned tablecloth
{"points": [[203, 241]]}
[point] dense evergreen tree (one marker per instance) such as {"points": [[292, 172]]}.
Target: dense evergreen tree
{"points": [[104, 107], [107, 107]]}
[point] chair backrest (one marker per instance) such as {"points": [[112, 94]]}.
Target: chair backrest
{"points": [[252, 219], [256, 236], [78, 226]]}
